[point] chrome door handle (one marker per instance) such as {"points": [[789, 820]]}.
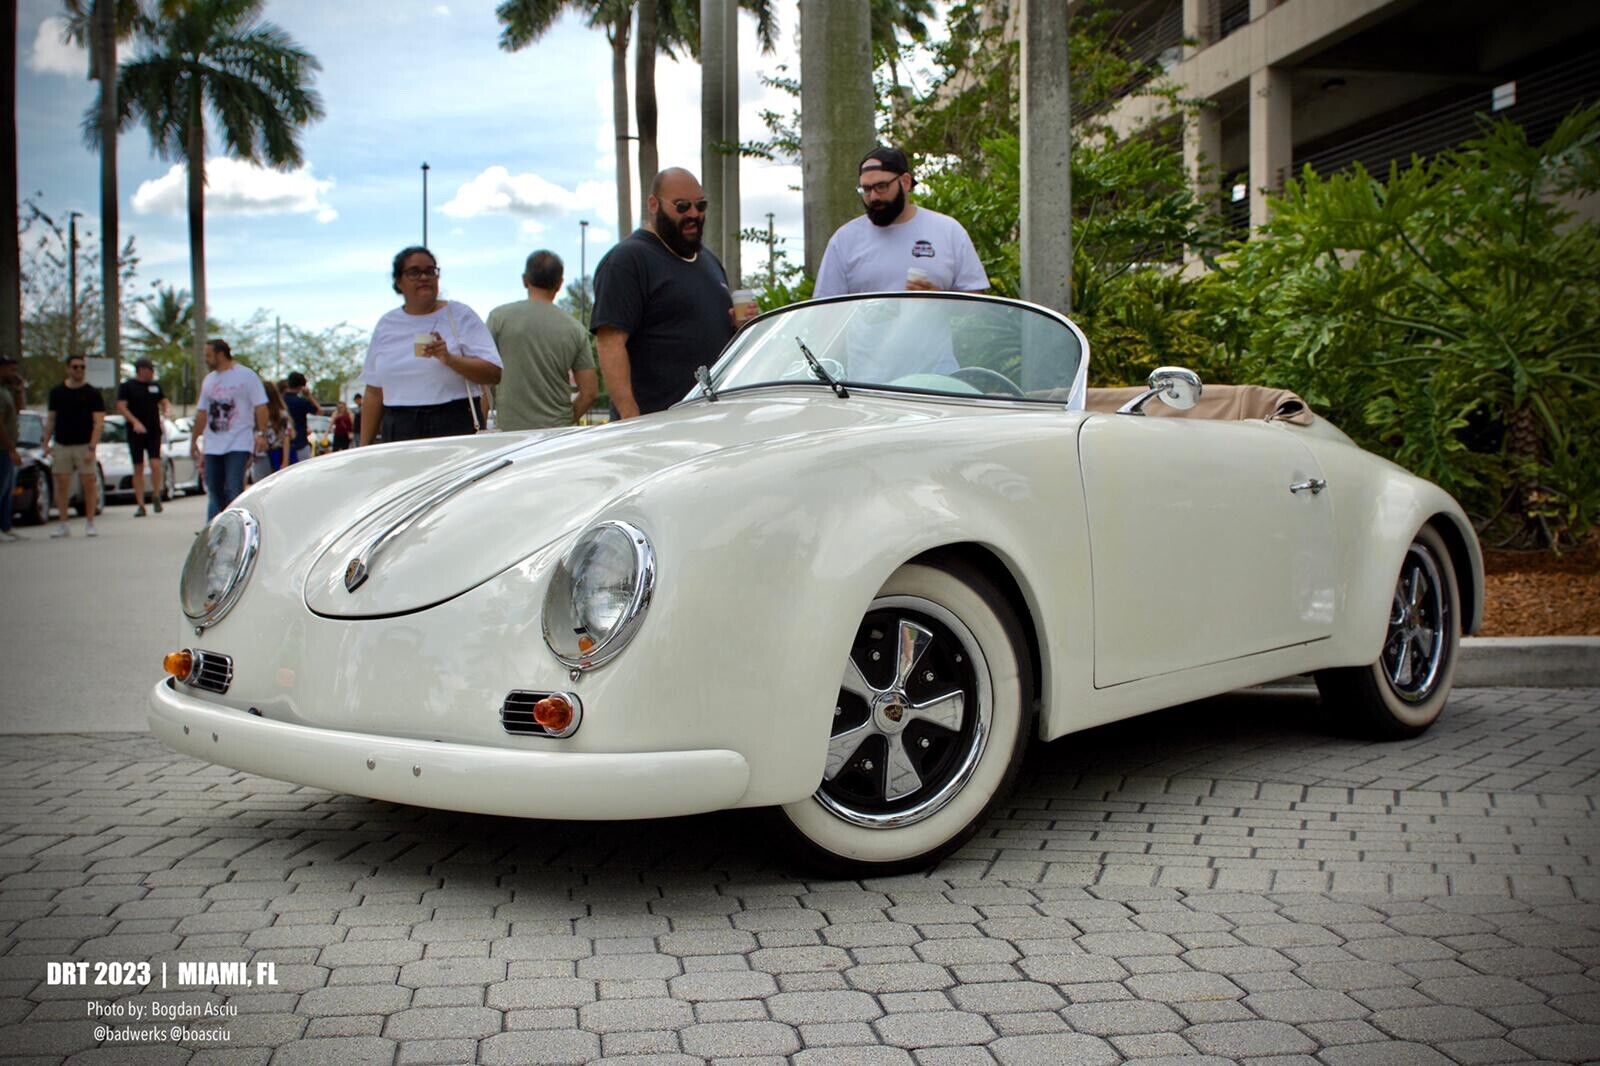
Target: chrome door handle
{"points": [[1312, 485]]}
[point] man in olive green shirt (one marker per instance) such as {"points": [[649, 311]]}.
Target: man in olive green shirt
{"points": [[541, 345]]}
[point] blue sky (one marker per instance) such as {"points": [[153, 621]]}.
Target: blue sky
{"points": [[519, 147]]}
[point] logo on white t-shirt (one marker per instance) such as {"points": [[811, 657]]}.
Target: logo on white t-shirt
{"points": [[922, 250]]}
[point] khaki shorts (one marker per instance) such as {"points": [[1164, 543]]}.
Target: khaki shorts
{"points": [[69, 459]]}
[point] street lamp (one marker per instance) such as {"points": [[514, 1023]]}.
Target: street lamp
{"points": [[424, 204], [583, 269]]}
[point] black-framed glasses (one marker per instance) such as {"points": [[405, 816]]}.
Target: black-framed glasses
{"points": [[682, 206], [418, 273], [880, 188]]}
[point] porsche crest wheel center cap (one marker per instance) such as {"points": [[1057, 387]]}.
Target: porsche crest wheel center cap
{"points": [[889, 711]]}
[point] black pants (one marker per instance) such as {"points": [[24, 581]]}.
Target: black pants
{"points": [[451, 419]]}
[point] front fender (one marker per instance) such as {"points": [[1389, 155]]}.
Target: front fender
{"points": [[769, 557]]}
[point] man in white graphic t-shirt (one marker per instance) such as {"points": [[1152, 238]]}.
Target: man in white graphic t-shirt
{"points": [[896, 245], [232, 420], [893, 247]]}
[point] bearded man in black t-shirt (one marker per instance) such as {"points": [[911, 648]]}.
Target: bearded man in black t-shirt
{"points": [[661, 302], [141, 401]]}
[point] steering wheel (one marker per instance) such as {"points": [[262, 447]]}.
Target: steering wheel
{"points": [[986, 380]]}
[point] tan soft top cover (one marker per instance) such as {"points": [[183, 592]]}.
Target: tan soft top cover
{"points": [[1220, 402]]}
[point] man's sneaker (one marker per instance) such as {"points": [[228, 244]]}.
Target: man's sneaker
{"points": [[158, 505], [60, 531], [140, 512], [9, 537], [89, 530]]}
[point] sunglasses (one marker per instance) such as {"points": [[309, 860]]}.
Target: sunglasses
{"points": [[682, 206]]}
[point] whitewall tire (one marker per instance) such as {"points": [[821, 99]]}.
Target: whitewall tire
{"points": [[934, 711], [1404, 691]]}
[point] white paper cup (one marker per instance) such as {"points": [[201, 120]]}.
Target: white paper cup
{"points": [[913, 274], [744, 296], [420, 342]]}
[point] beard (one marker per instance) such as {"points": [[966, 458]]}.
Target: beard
{"points": [[885, 212], [672, 235]]}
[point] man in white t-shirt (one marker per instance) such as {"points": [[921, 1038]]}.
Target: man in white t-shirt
{"points": [[232, 417], [896, 245]]}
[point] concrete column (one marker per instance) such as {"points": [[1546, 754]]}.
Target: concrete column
{"points": [[1202, 23], [1046, 156], [1271, 138], [1261, 7], [713, 41]]}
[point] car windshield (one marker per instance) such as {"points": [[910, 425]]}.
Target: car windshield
{"points": [[30, 429], [318, 423], [948, 344]]}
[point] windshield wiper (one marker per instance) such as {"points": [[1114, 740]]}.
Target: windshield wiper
{"points": [[703, 377], [816, 368]]}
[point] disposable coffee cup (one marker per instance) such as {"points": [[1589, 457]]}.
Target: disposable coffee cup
{"points": [[913, 274], [419, 344], [741, 297]]}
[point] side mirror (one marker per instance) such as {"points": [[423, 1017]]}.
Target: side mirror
{"points": [[1178, 388]]}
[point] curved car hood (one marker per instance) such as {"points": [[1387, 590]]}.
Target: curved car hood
{"points": [[547, 486]]}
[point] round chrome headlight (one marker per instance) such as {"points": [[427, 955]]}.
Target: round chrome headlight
{"points": [[598, 594], [218, 566]]}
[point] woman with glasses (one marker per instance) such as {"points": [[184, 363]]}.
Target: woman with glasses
{"points": [[426, 361]]}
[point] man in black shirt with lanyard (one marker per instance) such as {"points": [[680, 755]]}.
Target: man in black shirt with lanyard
{"points": [[141, 401], [662, 305]]}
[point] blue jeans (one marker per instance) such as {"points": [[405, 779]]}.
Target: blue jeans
{"points": [[224, 480], [8, 485]]}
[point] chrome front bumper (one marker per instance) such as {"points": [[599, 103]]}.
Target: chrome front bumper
{"points": [[457, 777]]}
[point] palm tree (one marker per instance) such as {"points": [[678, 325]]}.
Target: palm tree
{"points": [[836, 114], [100, 24], [217, 57], [891, 19], [164, 333], [525, 21]]}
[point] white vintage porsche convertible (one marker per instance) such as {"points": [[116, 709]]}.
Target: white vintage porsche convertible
{"points": [[885, 542]]}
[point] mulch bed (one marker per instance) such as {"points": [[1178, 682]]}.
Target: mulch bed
{"points": [[1537, 594]]}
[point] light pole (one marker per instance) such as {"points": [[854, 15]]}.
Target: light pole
{"points": [[424, 204], [72, 282], [583, 269]]}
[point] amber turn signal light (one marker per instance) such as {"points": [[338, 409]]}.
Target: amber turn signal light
{"points": [[554, 713], [180, 664], [585, 644]]}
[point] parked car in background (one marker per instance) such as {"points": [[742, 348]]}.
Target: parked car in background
{"points": [[190, 473], [886, 542], [320, 428], [178, 474], [31, 498]]}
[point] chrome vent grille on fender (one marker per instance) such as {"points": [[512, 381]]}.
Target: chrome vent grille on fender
{"points": [[516, 714], [213, 671]]}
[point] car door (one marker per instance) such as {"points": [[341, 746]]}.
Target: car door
{"points": [[1209, 541]]}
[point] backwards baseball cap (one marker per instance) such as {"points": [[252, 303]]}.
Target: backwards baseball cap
{"points": [[884, 157], [143, 364]]}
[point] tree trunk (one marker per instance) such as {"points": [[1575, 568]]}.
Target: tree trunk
{"points": [[712, 81], [196, 152], [730, 137], [836, 127], [104, 41], [619, 119], [11, 267], [644, 93]]}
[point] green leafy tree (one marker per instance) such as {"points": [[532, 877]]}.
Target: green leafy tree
{"points": [[1444, 317], [217, 60], [161, 329]]}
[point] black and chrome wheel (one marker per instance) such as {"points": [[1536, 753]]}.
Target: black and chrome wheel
{"points": [[166, 481], [931, 719], [1402, 693], [38, 512]]}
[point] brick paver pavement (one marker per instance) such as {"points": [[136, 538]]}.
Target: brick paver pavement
{"points": [[1231, 879]]}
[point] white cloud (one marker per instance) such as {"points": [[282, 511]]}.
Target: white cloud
{"points": [[497, 191], [234, 187], [51, 55], [442, 10], [531, 227]]}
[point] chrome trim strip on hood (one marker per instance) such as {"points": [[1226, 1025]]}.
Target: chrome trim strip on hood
{"points": [[359, 568]]}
